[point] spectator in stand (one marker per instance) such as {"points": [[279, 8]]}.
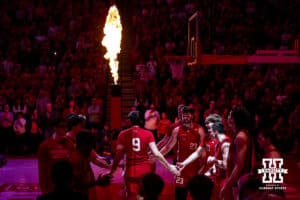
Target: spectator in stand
{"points": [[19, 127], [152, 118], [35, 136], [164, 126], [19, 107], [47, 119], [6, 133], [210, 110], [95, 113], [71, 109]]}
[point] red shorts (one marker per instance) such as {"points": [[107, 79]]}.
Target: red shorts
{"points": [[133, 177]]}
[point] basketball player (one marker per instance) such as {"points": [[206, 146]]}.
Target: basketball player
{"points": [[53, 149], [188, 136], [76, 124], [241, 156], [134, 144], [219, 160]]}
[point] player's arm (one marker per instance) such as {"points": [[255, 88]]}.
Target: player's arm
{"points": [[166, 137], [241, 153], [201, 132], [98, 160], [171, 143], [163, 142], [196, 154], [117, 159], [162, 159], [225, 150]]}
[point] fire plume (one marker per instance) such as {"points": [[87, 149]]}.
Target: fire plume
{"points": [[112, 40]]}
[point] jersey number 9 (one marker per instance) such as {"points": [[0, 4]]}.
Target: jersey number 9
{"points": [[136, 144]]}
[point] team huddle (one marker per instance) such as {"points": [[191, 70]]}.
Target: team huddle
{"points": [[202, 154], [198, 152]]}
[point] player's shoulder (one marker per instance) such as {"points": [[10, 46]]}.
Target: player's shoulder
{"points": [[242, 135]]}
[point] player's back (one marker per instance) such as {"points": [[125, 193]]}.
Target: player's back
{"points": [[136, 143]]}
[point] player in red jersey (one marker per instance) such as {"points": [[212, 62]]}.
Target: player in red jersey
{"points": [[210, 143], [53, 149], [219, 160], [134, 144], [241, 157], [76, 124], [188, 136]]}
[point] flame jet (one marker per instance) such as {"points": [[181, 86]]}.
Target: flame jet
{"points": [[112, 40]]}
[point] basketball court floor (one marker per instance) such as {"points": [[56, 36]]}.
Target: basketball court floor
{"points": [[19, 180]]}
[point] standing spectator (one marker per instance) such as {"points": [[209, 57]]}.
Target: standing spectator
{"points": [[95, 113], [103, 140], [210, 110], [47, 120], [72, 108], [164, 126], [20, 132], [34, 132], [6, 133], [19, 107], [134, 143], [151, 120]]}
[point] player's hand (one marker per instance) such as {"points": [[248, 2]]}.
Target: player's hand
{"points": [[104, 179], [180, 166], [173, 169], [211, 160]]}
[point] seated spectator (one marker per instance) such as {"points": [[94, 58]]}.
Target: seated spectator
{"points": [[62, 172], [200, 187]]}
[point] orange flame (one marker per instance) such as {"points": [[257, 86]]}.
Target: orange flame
{"points": [[112, 40]]}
